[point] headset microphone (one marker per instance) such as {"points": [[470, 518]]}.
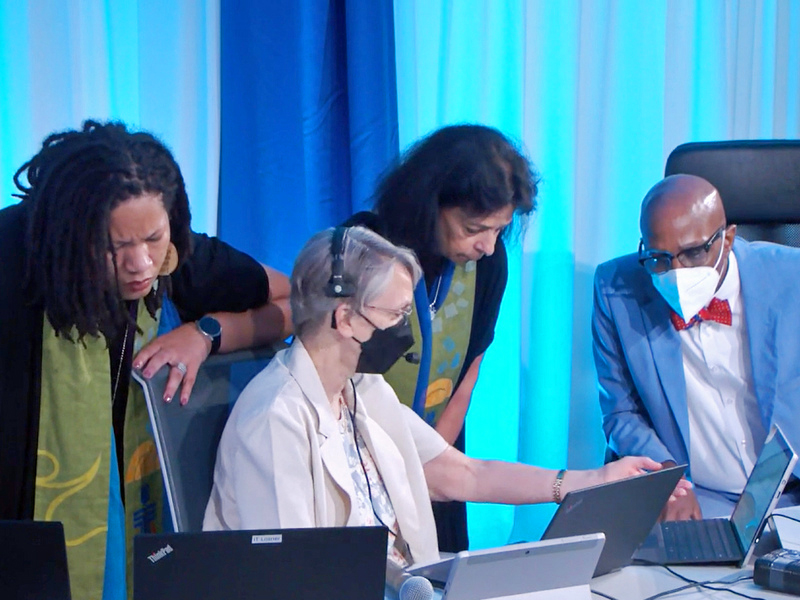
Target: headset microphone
{"points": [[412, 357]]}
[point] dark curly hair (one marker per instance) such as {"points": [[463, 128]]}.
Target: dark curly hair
{"points": [[74, 182], [473, 167]]}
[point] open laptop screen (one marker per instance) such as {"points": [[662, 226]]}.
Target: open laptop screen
{"points": [[763, 487], [33, 561]]}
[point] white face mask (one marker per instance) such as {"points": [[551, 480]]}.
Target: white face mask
{"points": [[688, 290]]}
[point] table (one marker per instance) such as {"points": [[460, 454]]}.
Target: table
{"points": [[638, 583]]}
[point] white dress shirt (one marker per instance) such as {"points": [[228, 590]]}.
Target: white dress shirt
{"points": [[725, 426]]}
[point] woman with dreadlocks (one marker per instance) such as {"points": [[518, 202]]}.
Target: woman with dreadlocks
{"points": [[93, 262]]}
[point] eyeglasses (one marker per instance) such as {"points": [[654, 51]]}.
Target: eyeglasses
{"points": [[660, 261], [400, 314]]}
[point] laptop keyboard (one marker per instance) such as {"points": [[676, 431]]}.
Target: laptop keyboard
{"points": [[710, 539]]}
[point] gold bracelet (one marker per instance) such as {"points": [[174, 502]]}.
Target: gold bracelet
{"points": [[557, 486]]}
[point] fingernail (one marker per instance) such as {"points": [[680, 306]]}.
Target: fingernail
{"points": [[137, 365], [184, 401], [167, 398]]}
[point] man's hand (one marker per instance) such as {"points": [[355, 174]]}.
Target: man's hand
{"points": [[184, 349], [681, 508]]}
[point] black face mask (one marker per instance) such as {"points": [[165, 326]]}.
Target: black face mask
{"points": [[384, 348]]}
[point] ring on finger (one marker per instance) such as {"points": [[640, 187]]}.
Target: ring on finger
{"points": [[181, 367]]}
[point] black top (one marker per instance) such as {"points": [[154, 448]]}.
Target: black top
{"points": [[215, 277], [490, 284]]}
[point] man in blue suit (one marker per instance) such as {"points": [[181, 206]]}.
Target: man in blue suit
{"points": [[697, 344]]}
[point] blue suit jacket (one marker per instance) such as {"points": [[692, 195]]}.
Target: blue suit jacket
{"points": [[638, 355]]}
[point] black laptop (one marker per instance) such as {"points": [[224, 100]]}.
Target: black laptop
{"points": [[733, 540], [33, 561], [337, 563], [624, 510]]}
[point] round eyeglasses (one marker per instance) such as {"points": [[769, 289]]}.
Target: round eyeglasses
{"points": [[660, 261], [401, 314]]}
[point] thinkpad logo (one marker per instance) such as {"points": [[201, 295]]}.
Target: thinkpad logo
{"points": [[158, 555]]}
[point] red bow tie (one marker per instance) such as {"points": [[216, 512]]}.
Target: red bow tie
{"points": [[717, 310]]}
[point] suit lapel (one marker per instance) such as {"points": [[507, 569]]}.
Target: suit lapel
{"points": [[762, 322], [331, 449], [665, 344]]}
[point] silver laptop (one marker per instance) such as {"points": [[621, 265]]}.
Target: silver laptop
{"points": [[733, 540], [546, 570], [335, 563]]}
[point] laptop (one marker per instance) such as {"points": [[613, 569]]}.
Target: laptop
{"points": [[33, 561], [337, 563], [733, 540], [624, 510], [545, 570]]}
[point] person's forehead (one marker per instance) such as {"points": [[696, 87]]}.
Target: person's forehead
{"points": [[683, 221], [399, 292], [498, 218], [138, 215]]}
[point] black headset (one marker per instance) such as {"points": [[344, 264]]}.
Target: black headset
{"points": [[339, 286]]}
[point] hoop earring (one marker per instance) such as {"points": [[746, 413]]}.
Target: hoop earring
{"points": [[170, 261]]}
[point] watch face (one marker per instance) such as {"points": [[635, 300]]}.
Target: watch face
{"points": [[210, 326]]}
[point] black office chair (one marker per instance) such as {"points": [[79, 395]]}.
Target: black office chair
{"points": [[759, 181], [187, 436]]}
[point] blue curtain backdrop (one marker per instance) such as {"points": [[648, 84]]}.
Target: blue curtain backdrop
{"points": [[309, 118]]}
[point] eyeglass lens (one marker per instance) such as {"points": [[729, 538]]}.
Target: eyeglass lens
{"points": [[661, 262]]}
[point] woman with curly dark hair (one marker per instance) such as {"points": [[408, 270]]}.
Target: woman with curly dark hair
{"points": [[98, 270], [454, 198]]}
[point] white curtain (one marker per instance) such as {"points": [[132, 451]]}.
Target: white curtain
{"points": [[152, 64], [598, 92]]}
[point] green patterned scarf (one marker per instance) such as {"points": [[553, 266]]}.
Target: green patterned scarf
{"points": [[74, 453], [451, 328]]}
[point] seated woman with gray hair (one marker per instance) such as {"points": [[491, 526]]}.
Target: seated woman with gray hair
{"points": [[319, 439]]}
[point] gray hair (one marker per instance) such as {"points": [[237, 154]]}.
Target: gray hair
{"points": [[367, 259]]}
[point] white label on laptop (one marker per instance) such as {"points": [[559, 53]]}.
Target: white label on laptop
{"points": [[275, 538]]}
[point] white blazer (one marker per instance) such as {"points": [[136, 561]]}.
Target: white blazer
{"points": [[281, 461]]}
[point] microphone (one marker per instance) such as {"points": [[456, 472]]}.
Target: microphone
{"points": [[405, 585], [412, 357]]}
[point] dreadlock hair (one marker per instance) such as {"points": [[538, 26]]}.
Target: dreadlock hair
{"points": [[74, 182], [472, 167]]}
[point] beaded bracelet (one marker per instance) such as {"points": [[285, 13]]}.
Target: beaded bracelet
{"points": [[557, 486]]}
